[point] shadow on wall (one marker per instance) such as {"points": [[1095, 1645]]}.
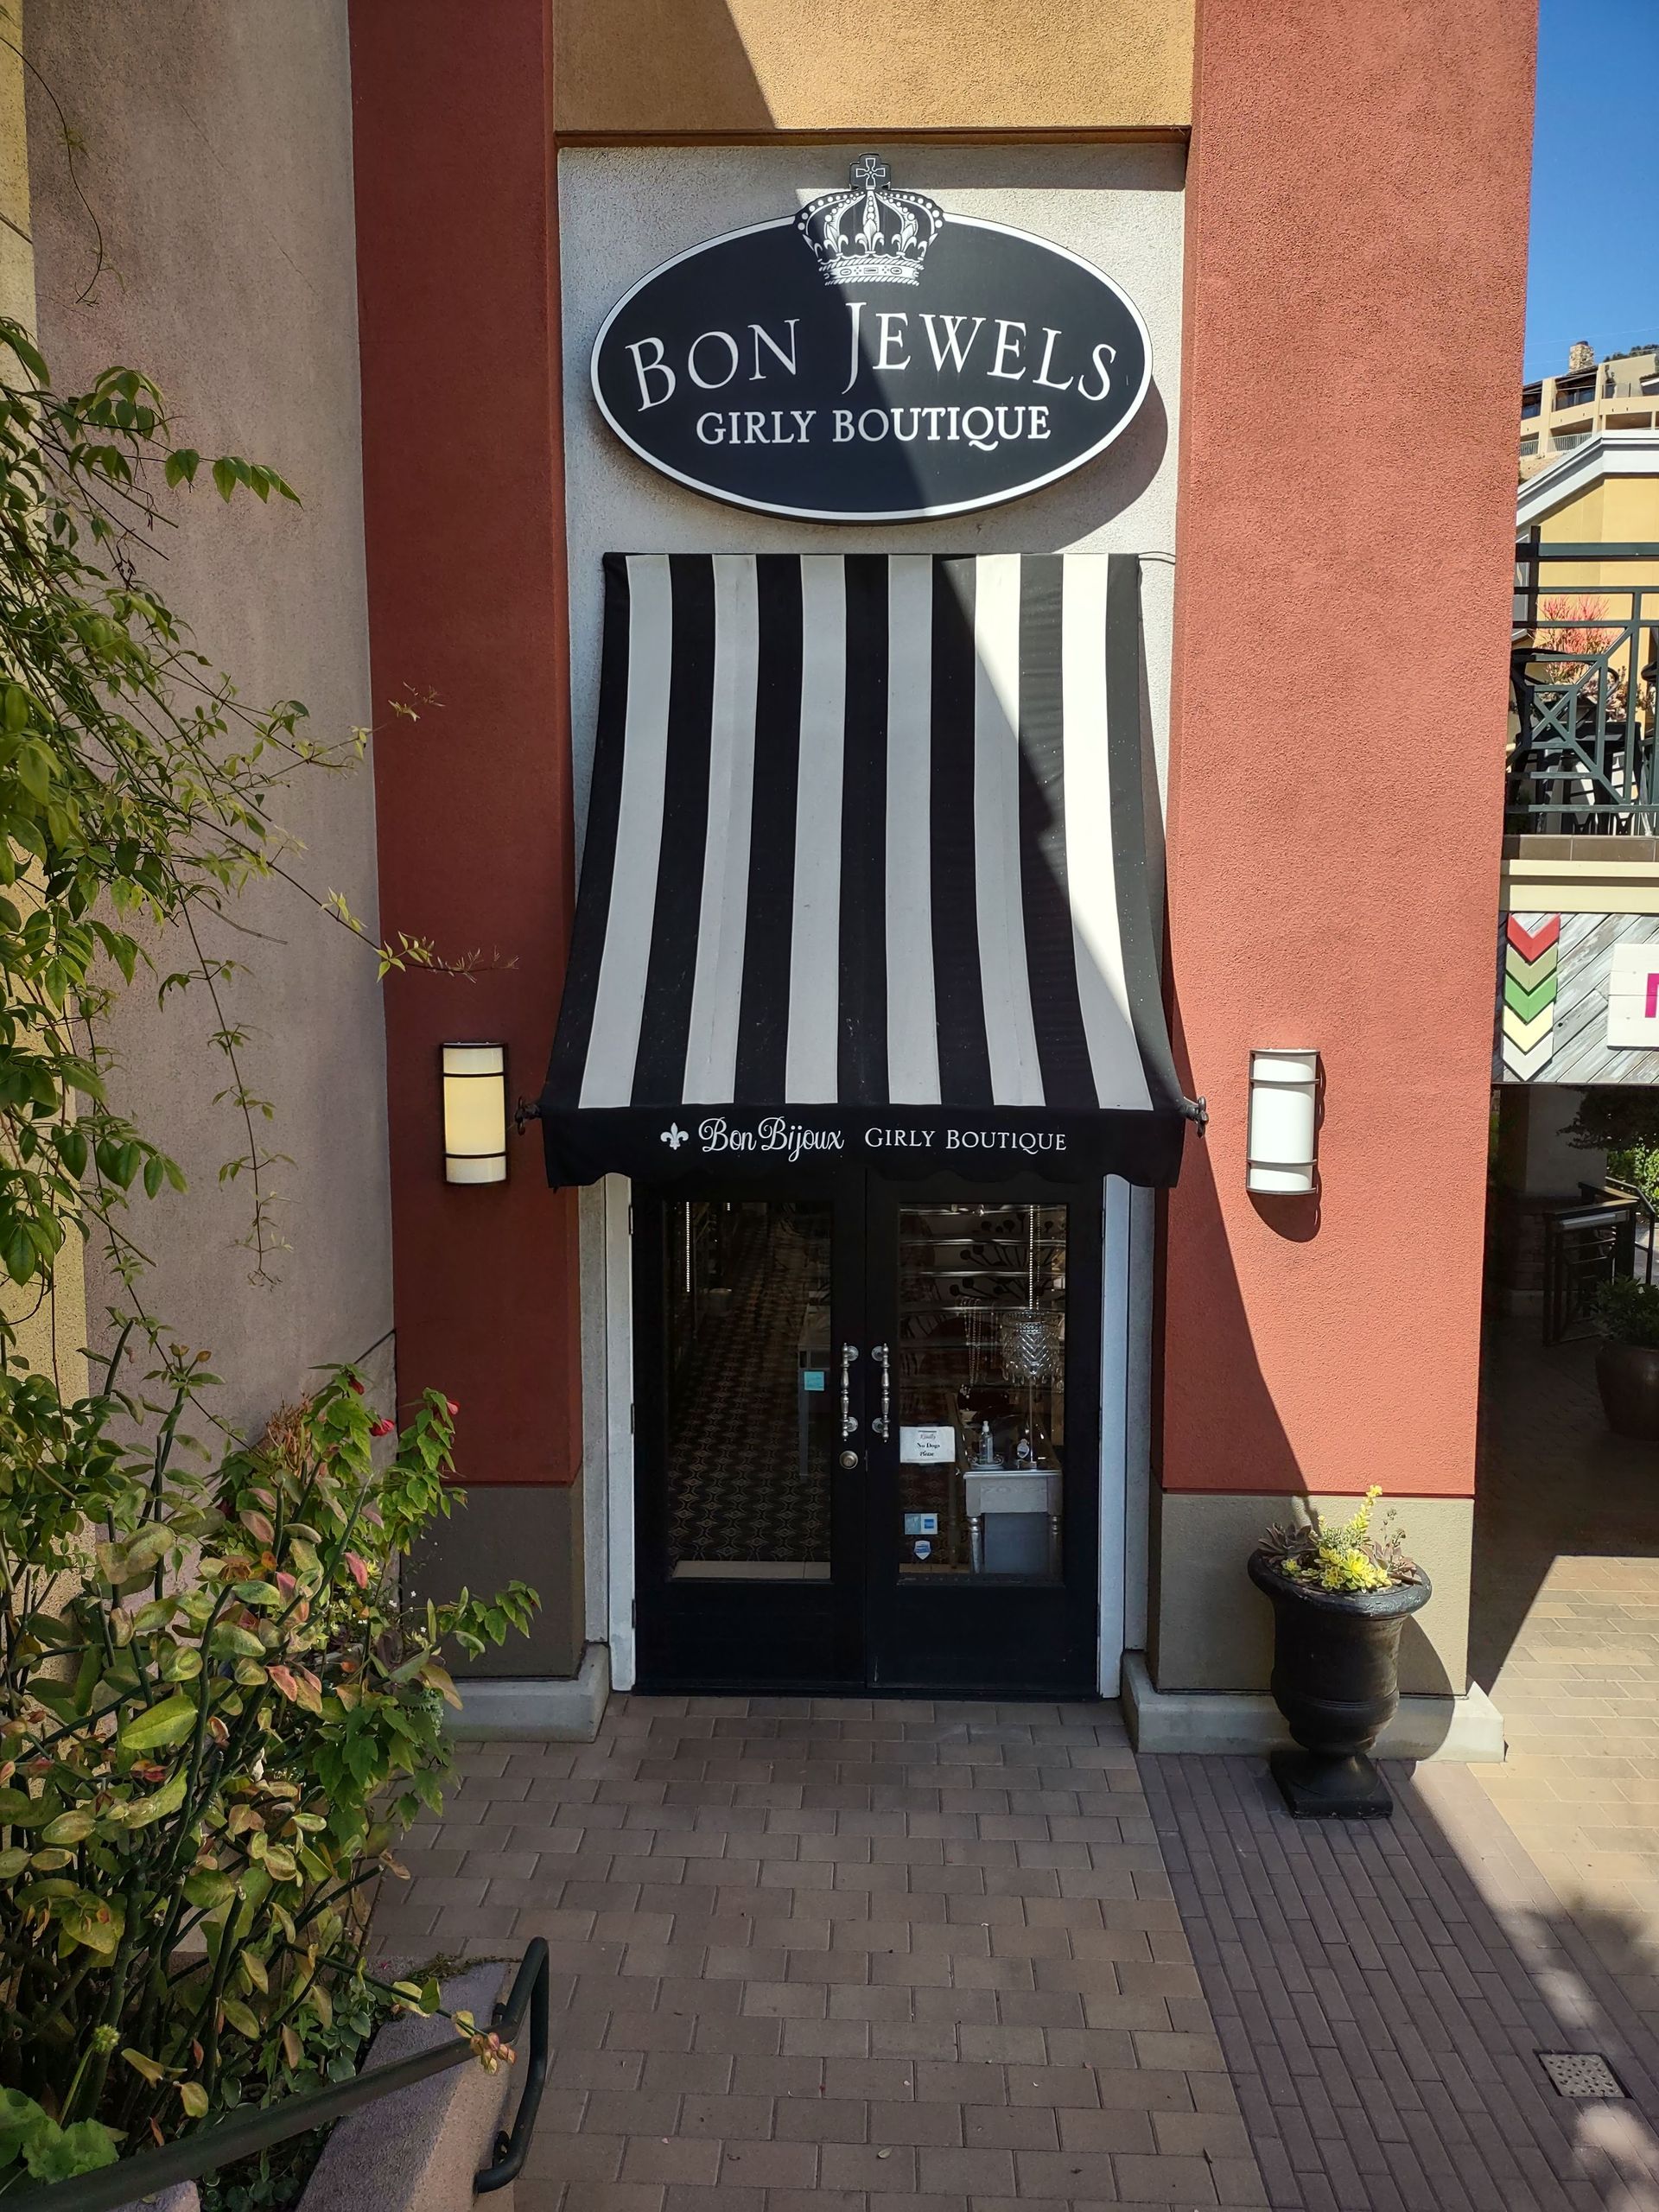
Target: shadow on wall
{"points": [[696, 44], [1207, 1611], [1230, 1346]]}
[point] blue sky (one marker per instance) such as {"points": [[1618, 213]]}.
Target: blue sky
{"points": [[1593, 268]]}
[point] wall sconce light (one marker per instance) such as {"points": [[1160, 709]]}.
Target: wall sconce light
{"points": [[1284, 1096], [474, 1113]]}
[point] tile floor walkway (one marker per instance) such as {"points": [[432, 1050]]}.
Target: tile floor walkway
{"points": [[1566, 1635], [820, 1956]]}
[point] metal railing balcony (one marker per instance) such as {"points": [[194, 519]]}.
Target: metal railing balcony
{"points": [[1584, 660]]}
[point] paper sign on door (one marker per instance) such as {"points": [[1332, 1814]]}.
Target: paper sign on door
{"points": [[934, 1447]]}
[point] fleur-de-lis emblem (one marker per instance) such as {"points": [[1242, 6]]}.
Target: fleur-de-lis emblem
{"points": [[674, 1136]]}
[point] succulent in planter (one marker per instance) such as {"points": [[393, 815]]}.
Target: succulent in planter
{"points": [[1340, 1594], [1627, 1359]]}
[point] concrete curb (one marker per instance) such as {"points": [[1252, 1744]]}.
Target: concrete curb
{"points": [[548, 1708], [1468, 1729], [417, 2150]]}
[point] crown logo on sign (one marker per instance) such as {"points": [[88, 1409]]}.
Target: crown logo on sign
{"points": [[873, 234]]}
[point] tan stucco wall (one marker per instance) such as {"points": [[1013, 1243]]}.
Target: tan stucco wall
{"points": [[1212, 1629], [216, 154], [734, 67], [16, 253], [52, 1330], [1545, 882], [1614, 511]]}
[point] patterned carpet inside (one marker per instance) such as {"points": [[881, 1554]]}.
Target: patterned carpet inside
{"points": [[744, 1484]]}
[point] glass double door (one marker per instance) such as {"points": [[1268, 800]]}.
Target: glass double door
{"points": [[867, 1436]]}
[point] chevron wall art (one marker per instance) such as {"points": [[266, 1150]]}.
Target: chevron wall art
{"points": [[1568, 988], [1530, 982]]}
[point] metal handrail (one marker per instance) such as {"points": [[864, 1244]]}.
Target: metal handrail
{"points": [[244, 2133]]}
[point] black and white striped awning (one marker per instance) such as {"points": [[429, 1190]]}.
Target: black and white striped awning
{"points": [[865, 874]]}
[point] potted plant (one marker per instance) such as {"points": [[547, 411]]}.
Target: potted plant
{"points": [[1627, 1359], [1340, 1595]]}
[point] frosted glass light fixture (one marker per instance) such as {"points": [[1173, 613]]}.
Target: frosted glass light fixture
{"points": [[474, 1113], [1284, 1095]]}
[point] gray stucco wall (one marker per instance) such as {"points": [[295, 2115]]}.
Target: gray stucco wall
{"points": [[217, 157]]}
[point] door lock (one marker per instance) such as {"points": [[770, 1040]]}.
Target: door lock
{"points": [[848, 1460]]}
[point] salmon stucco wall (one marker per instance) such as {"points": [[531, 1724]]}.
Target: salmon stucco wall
{"points": [[1357, 227], [457, 265]]}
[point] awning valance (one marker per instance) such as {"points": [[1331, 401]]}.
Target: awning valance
{"points": [[865, 874]]}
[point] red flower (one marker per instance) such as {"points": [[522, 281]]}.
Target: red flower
{"points": [[381, 1427], [355, 1384], [454, 1407]]}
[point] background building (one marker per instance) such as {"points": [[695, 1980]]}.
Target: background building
{"points": [[1558, 413]]}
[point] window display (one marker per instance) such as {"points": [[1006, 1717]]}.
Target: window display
{"points": [[980, 1387]]}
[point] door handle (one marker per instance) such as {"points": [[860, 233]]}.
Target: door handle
{"points": [[879, 1353], [848, 1418]]}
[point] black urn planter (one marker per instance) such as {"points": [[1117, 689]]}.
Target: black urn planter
{"points": [[1336, 1678], [1627, 1377]]}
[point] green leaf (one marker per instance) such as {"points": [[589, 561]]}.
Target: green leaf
{"points": [[140, 1812], [228, 1641], [82, 2149], [93, 1921], [169, 1722], [241, 2018], [207, 1889], [72, 1827], [148, 2067], [193, 2098], [20, 2116]]}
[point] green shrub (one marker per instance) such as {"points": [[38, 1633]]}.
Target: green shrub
{"points": [[1628, 1311], [216, 1720], [1637, 1164]]}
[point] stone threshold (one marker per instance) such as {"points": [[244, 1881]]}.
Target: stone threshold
{"points": [[1239, 1723], [548, 1709]]}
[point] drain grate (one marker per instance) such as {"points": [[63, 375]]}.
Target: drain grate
{"points": [[1581, 2074]]}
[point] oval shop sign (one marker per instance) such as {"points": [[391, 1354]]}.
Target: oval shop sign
{"points": [[871, 359]]}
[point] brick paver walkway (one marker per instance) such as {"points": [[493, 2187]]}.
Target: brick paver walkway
{"points": [[811, 1957], [1382, 1993]]}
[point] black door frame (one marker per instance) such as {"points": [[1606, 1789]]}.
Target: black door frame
{"points": [[866, 1630], [704, 1634], [986, 1636]]}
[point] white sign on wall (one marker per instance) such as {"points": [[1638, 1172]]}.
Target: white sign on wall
{"points": [[1633, 994]]}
